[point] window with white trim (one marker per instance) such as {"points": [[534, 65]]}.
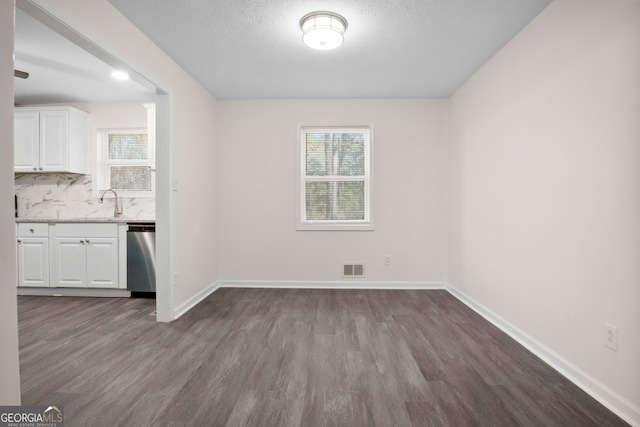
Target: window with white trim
{"points": [[335, 178], [126, 162]]}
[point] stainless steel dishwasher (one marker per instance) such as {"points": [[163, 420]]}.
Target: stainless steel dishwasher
{"points": [[141, 259]]}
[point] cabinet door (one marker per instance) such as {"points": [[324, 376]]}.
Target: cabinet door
{"points": [[54, 140], [26, 136], [33, 262], [69, 266], [102, 262]]}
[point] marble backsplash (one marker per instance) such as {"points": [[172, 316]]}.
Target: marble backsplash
{"points": [[70, 196]]}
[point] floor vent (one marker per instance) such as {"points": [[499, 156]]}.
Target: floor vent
{"points": [[353, 270]]}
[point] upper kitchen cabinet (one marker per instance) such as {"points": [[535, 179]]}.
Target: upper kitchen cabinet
{"points": [[50, 139]]}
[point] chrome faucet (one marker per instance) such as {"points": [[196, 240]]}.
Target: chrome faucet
{"points": [[117, 211]]}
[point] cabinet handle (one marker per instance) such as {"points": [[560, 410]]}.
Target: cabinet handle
{"points": [[40, 168], [87, 240], [82, 241], [35, 168], [31, 230], [19, 241]]}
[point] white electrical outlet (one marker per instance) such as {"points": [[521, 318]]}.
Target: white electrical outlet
{"points": [[387, 260], [611, 336]]}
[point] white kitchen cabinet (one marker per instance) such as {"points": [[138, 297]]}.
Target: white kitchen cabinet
{"points": [[85, 255], [50, 139], [70, 262], [33, 255], [26, 140], [102, 263]]}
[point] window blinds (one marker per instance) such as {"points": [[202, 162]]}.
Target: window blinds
{"points": [[335, 176]]}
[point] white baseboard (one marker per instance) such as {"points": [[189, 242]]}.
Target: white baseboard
{"points": [[329, 285], [603, 394], [74, 292], [194, 300]]}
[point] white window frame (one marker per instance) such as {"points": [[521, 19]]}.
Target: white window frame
{"points": [[302, 223], [103, 174]]}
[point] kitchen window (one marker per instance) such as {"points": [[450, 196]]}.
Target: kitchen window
{"points": [[335, 186], [126, 162]]}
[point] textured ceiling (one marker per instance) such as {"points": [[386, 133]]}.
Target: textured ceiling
{"points": [[252, 49]]}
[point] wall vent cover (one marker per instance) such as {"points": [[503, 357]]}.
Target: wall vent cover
{"points": [[353, 270]]}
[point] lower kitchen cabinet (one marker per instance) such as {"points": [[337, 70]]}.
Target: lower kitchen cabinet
{"points": [[85, 256], [33, 255], [33, 262], [71, 255], [85, 262]]}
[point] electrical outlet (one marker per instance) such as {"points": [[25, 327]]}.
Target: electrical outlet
{"points": [[611, 336], [387, 260]]}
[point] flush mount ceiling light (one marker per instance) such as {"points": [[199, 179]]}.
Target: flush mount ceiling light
{"points": [[323, 30], [120, 75]]}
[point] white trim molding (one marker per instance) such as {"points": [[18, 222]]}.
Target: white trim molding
{"points": [[329, 285], [622, 407], [195, 300], [74, 292]]}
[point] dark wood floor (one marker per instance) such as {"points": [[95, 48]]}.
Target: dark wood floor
{"points": [[287, 357]]}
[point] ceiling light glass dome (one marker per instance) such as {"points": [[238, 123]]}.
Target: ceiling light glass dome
{"points": [[323, 30]]}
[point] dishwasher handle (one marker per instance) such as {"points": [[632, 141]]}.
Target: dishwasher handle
{"points": [[141, 228]]}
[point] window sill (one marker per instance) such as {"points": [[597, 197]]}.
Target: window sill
{"points": [[334, 227]]}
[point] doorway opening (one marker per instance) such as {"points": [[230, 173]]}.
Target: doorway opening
{"points": [[145, 87]]}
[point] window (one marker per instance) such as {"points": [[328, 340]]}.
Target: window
{"points": [[335, 179], [126, 162]]}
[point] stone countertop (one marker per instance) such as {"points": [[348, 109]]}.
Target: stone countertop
{"points": [[86, 220]]}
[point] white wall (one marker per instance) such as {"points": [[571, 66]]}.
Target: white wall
{"points": [[192, 124], [257, 192], [9, 369], [544, 189], [196, 198]]}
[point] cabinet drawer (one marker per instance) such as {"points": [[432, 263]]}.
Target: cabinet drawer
{"points": [[33, 229], [85, 230]]}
